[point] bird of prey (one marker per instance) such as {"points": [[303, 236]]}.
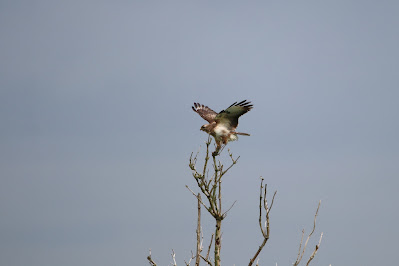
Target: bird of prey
{"points": [[222, 125]]}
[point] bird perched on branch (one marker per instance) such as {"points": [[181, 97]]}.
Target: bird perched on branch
{"points": [[222, 125]]}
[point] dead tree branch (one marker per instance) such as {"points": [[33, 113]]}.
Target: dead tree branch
{"points": [[198, 231], [315, 250], [174, 258], [265, 230], [191, 258], [152, 263], [301, 251]]}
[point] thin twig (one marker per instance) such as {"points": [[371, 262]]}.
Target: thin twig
{"points": [[299, 258], [315, 250], [174, 258], [191, 258], [271, 205], [300, 245], [206, 260], [233, 162], [152, 263], [209, 248], [200, 200], [265, 231], [225, 213], [208, 142]]}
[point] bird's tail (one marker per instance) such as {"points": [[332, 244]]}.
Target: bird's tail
{"points": [[243, 134]]}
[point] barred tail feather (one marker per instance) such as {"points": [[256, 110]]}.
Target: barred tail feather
{"points": [[243, 134]]}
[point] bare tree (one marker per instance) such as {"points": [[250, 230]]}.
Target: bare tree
{"points": [[210, 197], [211, 188]]}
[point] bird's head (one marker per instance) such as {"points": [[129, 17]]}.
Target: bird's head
{"points": [[205, 128]]}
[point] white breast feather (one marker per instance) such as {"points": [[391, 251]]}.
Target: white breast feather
{"points": [[221, 130]]}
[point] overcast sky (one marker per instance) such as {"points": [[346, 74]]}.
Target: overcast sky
{"points": [[97, 128]]}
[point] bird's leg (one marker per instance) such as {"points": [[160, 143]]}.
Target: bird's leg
{"points": [[218, 146], [222, 148]]}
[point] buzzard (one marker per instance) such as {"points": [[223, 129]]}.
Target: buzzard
{"points": [[222, 125]]}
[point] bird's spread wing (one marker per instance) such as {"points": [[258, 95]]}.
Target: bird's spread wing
{"points": [[205, 112], [229, 117]]}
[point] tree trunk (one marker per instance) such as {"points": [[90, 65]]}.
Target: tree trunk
{"points": [[218, 241]]}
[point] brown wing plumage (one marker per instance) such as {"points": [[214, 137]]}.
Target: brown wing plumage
{"points": [[230, 116], [205, 112]]}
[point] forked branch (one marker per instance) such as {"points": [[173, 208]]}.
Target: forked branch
{"points": [[266, 229], [174, 258], [301, 250]]}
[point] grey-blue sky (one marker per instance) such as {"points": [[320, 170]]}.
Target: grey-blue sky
{"points": [[97, 127]]}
